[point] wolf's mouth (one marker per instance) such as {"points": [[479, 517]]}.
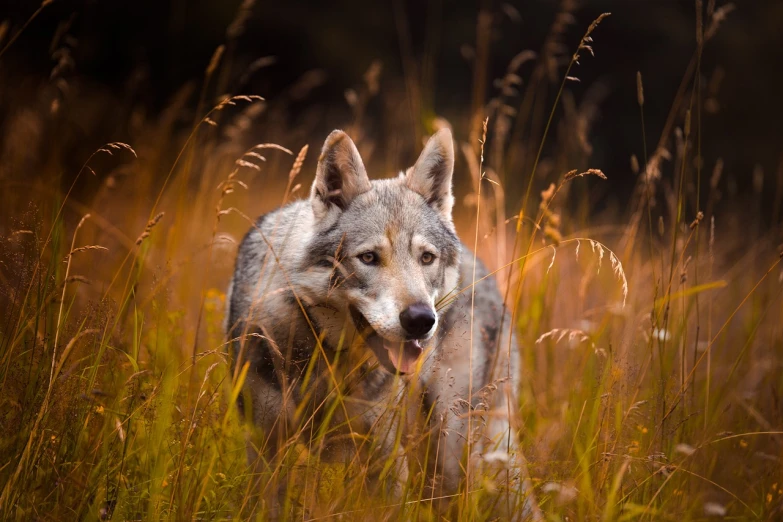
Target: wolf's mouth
{"points": [[395, 356]]}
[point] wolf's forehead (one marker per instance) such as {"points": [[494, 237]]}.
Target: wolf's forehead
{"points": [[394, 212]]}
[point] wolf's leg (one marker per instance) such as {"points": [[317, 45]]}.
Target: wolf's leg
{"points": [[498, 456], [495, 452], [391, 453], [265, 412], [440, 455], [495, 456], [382, 451], [264, 437]]}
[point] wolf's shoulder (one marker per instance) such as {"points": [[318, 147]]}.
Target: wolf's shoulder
{"points": [[270, 223], [467, 260], [488, 299], [270, 228]]}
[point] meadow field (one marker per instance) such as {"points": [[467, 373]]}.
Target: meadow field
{"points": [[650, 318]]}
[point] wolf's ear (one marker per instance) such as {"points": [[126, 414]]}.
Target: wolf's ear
{"points": [[431, 175], [340, 175]]}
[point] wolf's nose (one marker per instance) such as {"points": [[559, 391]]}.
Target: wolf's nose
{"points": [[417, 319]]}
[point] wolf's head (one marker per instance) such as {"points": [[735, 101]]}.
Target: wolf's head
{"points": [[386, 248]]}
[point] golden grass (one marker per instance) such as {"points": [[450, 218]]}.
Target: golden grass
{"points": [[638, 401]]}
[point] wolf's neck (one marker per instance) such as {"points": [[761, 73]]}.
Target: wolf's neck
{"points": [[333, 325]]}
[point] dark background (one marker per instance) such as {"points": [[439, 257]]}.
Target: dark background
{"points": [[134, 56]]}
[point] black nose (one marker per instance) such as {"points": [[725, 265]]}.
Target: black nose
{"points": [[417, 319]]}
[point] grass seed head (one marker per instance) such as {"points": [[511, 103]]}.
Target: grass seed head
{"points": [[589, 172], [695, 222], [639, 89], [634, 164]]}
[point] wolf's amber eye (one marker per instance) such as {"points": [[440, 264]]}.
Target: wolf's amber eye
{"points": [[427, 258], [369, 258]]}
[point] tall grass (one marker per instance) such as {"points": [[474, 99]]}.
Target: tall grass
{"points": [[638, 401]]}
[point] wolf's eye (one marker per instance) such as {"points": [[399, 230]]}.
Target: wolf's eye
{"points": [[369, 258], [427, 258]]}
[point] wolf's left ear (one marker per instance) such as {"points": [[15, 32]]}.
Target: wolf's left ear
{"points": [[431, 175], [340, 175]]}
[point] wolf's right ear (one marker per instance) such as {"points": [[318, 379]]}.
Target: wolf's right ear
{"points": [[340, 175]]}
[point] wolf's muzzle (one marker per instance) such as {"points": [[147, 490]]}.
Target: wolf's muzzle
{"points": [[417, 320]]}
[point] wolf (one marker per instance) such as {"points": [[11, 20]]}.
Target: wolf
{"points": [[355, 317]]}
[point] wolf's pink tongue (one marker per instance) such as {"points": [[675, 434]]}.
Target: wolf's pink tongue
{"points": [[403, 355]]}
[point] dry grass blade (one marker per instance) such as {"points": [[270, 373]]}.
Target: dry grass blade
{"points": [[552, 262], [639, 89], [62, 298], [572, 334], [473, 299], [589, 172], [215, 60], [86, 248], [616, 264]]}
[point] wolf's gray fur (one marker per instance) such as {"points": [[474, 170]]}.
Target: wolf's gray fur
{"points": [[355, 286]]}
